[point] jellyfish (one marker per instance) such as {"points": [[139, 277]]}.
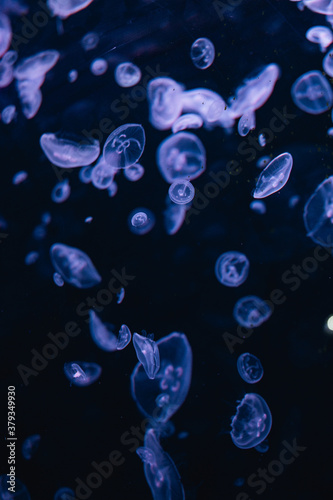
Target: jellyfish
{"points": [[134, 172], [31, 258], [209, 105], [125, 145], [165, 102], [274, 176], [19, 177], [37, 66], [102, 333], [189, 120], [58, 279], [232, 268], [246, 123], [113, 189], [181, 192], [202, 53], [74, 266], [161, 397], [102, 174], [30, 446], [127, 74], [85, 174], [250, 368], [320, 6], [61, 191], [258, 206], [252, 422], [124, 337], [81, 373], [318, 214], [64, 494], [148, 354], [328, 63], [68, 154], [262, 140], [321, 35], [90, 41], [8, 113], [20, 490], [174, 216], [120, 295], [66, 8], [141, 221], [181, 156], [312, 93], [160, 471], [251, 311], [6, 74], [5, 33], [99, 66], [72, 75], [30, 97]]}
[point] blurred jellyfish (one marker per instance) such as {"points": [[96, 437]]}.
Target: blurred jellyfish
{"points": [[181, 156], [148, 354], [141, 221], [46, 218], [74, 266], [88, 220], [21, 491], [124, 337], [252, 422], [39, 232], [246, 123], [251, 311], [164, 96], [328, 63], [174, 216], [258, 207], [64, 494], [113, 189], [72, 75], [318, 214], [209, 105], [263, 161], [85, 174], [134, 172], [250, 368], [30, 446], [30, 97], [232, 268], [10, 57], [293, 200], [274, 176], [127, 74], [90, 41], [66, 8], [330, 132], [81, 373], [312, 93], [160, 471], [321, 35], [102, 174], [120, 295], [181, 192], [61, 191], [262, 140], [202, 53], [5, 33], [58, 279], [6, 74], [161, 397], [68, 154], [99, 67], [8, 113], [31, 258], [36, 66], [189, 120], [125, 145], [19, 177]]}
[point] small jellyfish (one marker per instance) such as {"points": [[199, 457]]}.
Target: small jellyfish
{"points": [[90, 41], [262, 140], [10, 57], [202, 53], [19, 177], [258, 206], [68, 154], [293, 201], [120, 295], [189, 120], [141, 221], [113, 189], [99, 67], [88, 220], [181, 192], [246, 123], [5, 33], [30, 446], [81, 373], [328, 63], [321, 35], [61, 191], [58, 279], [252, 422], [134, 172], [148, 354], [318, 214], [124, 337], [6, 75], [274, 176], [330, 132], [312, 93], [31, 258], [30, 98], [72, 75], [102, 174], [85, 174], [46, 218], [174, 217], [250, 368], [102, 333], [165, 102], [125, 145], [232, 268], [64, 494], [181, 156], [127, 74], [263, 161], [74, 266], [8, 114], [251, 311], [39, 232]]}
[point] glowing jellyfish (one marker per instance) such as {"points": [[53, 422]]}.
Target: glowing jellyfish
{"points": [[252, 422], [320, 6], [318, 214], [113, 189], [102, 174], [258, 207], [134, 172], [141, 221], [5, 33], [6, 75], [102, 333], [262, 140], [10, 57], [202, 53], [161, 397], [19, 177], [165, 102], [181, 192], [293, 201], [36, 66], [85, 174], [263, 161], [90, 41], [251, 311], [21, 491], [232, 268], [160, 471], [148, 354], [250, 368], [99, 67], [66, 8], [68, 154], [127, 74], [30, 97], [74, 266], [189, 120], [120, 295], [31, 258], [274, 176], [72, 75], [8, 114], [61, 191], [125, 145], [312, 93], [174, 216], [209, 105], [124, 337], [64, 494], [321, 35], [181, 156], [328, 63], [246, 123], [57, 278], [30, 446], [81, 373]]}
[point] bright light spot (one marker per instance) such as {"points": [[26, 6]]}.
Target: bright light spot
{"points": [[330, 324]]}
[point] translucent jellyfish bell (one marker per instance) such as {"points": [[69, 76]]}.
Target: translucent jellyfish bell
{"points": [[102, 174], [209, 105], [252, 422], [181, 156], [90, 41], [125, 145], [5, 33], [64, 494], [99, 66], [30, 446], [81, 373], [68, 154], [148, 354], [321, 35], [232, 268], [124, 337], [312, 93], [181, 192], [141, 221], [8, 113], [320, 6], [250, 368], [74, 266], [189, 120], [36, 66], [328, 63], [127, 74], [161, 397], [66, 8], [21, 491], [61, 191], [246, 123], [251, 311], [165, 102], [202, 53], [274, 176], [174, 216], [134, 172], [102, 333], [318, 214]]}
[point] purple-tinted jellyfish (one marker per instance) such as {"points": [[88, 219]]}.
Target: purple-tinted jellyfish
{"points": [[320, 6], [258, 207], [252, 422], [30, 97], [328, 63], [321, 35], [19, 177], [189, 120], [174, 216], [318, 214], [165, 102], [102, 333], [181, 192], [141, 221], [99, 66], [274, 176], [127, 74], [246, 123], [161, 397], [74, 266], [124, 337], [209, 105], [21, 491], [85, 174], [160, 471], [120, 295], [148, 354], [8, 114], [64, 494], [81, 373], [68, 154], [102, 174], [202, 53], [30, 446], [250, 368], [134, 172], [232, 268], [5, 33], [125, 145], [251, 311], [64, 9], [58, 279], [61, 191], [312, 93], [36, 66], [90, 41], [181, 156]]}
